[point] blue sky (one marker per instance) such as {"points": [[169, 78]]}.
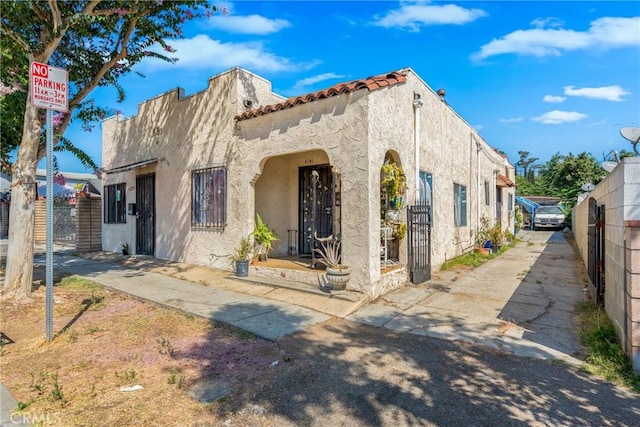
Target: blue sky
{"points": [[543, 77]]}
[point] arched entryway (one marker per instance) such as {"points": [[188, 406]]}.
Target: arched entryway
{"points": [[393, 227], [298, 195]]}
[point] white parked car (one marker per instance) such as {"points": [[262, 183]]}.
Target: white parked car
{"points": [[548, 217]]}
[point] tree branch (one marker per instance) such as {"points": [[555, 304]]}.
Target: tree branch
{"points": [[16, 38], [82, 93], [55, 14], [88, 10], [38, 10]]}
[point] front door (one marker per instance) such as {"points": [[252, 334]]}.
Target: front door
{"points": [[315, 205], [145, 214]]}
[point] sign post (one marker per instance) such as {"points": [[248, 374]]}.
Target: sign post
{"points": [[49, 89]]}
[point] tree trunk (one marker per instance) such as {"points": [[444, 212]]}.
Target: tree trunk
{"points": [[19, 273]]}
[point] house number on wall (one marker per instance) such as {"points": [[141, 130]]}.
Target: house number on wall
{"points": [[310, 161]]}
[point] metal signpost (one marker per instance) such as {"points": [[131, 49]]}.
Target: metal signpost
{"points": [[49, 89]]}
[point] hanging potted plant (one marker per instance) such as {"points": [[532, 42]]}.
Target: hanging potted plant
{"points": [[394, 186], [240, 257]]}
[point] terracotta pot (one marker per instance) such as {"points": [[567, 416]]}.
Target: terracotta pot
{"points": [[483, 251]]}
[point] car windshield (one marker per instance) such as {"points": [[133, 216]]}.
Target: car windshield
{"points": [[549, 210]]}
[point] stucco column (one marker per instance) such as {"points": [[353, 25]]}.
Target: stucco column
{"points": [[417, 105]]}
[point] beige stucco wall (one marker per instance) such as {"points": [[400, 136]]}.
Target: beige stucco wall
{"points": [[183, 134], [450, 149], [331, 130], [351, 132], [619, 192]]}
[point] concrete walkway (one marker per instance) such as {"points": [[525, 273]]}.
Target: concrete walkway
{"points": [[521, 302], [267, 318]]}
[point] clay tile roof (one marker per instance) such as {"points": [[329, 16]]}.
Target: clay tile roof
{"points": [[370, 83], [505, 181]]}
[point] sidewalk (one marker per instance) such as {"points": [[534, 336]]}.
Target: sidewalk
{"points": [[264, 310], [521, 302]]}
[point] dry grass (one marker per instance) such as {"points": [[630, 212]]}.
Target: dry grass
{"points": [[106, 341]]}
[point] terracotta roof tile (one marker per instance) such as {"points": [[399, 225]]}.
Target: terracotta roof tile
{"points": [[506, 181], [370, 83]]}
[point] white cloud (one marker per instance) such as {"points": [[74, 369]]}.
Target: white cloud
{"points": [[552, 98], [204, 52], [301, 84], [547, 22], [556, 117], [608, 93], [604, 33], [512, 120], [249, 24], [413, 16]]}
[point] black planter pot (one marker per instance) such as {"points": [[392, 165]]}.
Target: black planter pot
{"points": [[242, 268]]}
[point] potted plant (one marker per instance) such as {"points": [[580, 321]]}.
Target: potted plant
{"points": [[240, 257], [483, 244], [394, 184], [337, 275], [125, 248], [263, 237], [495, 237], [399, 230]]}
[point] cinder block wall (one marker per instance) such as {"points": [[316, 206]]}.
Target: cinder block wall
{"points": [[619, 192], [632, 274]]}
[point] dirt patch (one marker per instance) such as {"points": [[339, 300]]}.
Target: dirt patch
{"points": [[105, 341]]}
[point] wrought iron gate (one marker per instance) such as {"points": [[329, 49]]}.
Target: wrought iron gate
{"points": [[145, 214], [419, 240], [595, 250], [316, 210]]}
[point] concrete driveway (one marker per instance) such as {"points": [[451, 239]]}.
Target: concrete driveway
{"points": [[521, 302]]}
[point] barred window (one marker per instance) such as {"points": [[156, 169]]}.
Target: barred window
{"points": [[487, 201], [460, 205], [115, 204], [209, 198]]}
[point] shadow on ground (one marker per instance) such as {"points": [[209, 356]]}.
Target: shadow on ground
{"points": [[343, 373]]}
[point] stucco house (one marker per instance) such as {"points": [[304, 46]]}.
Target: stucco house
{"points": [[200, 167]]}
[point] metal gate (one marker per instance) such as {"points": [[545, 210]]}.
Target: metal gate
{"points": [[64, 224], [419, 240], [315, 205], [145, 214], [596, 239]]}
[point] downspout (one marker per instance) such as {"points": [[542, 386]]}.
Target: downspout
{"points": [[417, 104], [479, 189]]}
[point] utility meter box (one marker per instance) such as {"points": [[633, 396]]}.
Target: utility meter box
{"points": [[131, 209]]}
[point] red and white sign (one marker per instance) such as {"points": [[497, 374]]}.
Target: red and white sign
{"points": [[49, 87]]}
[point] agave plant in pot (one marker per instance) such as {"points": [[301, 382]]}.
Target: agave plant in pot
{"points": [[337, 274], [240, 257]]}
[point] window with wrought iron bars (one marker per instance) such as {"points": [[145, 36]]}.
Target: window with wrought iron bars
{"points": [[209, 198]]}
